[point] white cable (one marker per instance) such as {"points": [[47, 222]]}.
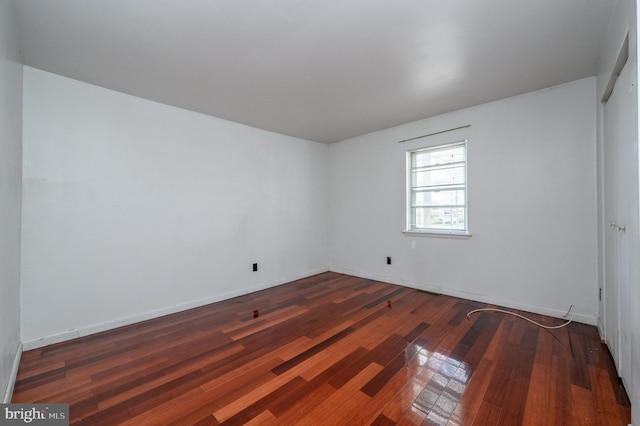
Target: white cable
{"points": [[548, 327]]}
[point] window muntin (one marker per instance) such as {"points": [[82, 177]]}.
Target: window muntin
{"points": [[437, 189]]}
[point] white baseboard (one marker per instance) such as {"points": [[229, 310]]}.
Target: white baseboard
{"points": [[590, 319], [12, 376], [109, 325], [600, 326]]}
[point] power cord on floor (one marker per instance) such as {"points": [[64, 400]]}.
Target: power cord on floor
{"points": [[548, 327]]}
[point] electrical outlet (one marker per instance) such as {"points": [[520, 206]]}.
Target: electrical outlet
{"points": [[255, 267], [388, 260]]}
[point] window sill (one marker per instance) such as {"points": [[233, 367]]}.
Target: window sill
{"points": [[436, 234]]}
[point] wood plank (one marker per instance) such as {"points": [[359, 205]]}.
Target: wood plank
{"points": [[383, 420], [471, 400], [606, 405], [560, 404], [584, 412], [516, 391], [488, 414], [536, 410], [344, 403], [402, 389], [412, 416], [306, 405]]}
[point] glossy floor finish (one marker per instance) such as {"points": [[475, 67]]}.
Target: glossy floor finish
{"points": [[331, 350]]}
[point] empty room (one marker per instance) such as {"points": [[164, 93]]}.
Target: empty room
{"points": [[278, 212]]}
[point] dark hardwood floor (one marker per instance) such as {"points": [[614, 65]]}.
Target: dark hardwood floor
{"points": [[331, 350]]}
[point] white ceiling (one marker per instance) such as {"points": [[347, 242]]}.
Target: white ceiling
{"points": [[322, 70]]}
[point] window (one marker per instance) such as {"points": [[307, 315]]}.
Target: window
{"points": [[437, 189]]}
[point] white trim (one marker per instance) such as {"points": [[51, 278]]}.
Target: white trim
{"points": [[108, 325], [600, 326], [443, 234], [12, 376], [411, 189], [466, 126], [590, 319]]}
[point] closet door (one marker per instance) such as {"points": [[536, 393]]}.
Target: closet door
{"points": [[621, 216]]}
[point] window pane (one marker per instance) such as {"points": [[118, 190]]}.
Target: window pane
{"points": [[439, 198], [438, 218], [445, 176], [434, 157]]}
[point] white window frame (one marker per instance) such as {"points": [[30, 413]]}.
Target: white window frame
{"points": [[410, 229]]}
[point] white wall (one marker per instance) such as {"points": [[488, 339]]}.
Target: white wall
{"points": [[624, 20], [10, 196], [532, 205], [133, 207]]}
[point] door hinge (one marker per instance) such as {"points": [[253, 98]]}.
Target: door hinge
{"points": [[600, 294]]}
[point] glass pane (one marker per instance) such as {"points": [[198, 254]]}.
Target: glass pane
{"points": [[439, 198], [432, 157], [438, 218], [446, 176]]}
